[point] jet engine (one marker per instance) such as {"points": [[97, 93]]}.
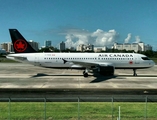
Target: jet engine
{"points": [[106, 70]]}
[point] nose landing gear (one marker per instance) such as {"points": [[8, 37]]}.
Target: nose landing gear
{"points": [[134, 72]]}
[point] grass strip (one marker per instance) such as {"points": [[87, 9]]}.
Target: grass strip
{"points": [[74, 110]]}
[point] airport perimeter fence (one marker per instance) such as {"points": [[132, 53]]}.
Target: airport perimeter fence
{"points": [[79, 108]]}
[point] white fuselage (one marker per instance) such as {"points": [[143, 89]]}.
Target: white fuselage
{"points": [[74, 60]]}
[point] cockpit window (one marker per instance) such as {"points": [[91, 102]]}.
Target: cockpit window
{"points": [[145, 58]]}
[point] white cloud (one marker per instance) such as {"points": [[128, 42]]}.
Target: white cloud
{"points": [[137, 39], [128, 38], [104, 38], [74, 37]]}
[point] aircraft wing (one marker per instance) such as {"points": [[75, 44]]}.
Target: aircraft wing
{"points": [[89, 64]]}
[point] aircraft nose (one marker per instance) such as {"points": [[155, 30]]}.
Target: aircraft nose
{"points": [[152, 63]]}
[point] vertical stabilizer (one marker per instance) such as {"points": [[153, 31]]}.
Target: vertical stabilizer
{"points": [[20, 44]]}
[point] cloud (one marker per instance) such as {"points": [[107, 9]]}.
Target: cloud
{"points": [[74, 37], [137, 39], [128, 38]]}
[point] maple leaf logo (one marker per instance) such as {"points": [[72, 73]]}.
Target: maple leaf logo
{"points": [[20, 45], [131, 62]]}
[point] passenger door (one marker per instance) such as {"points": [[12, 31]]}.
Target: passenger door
{"points": [[36, 59]]}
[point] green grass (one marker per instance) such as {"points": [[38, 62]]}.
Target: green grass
{"points": [[69, 110], [5, 60]]}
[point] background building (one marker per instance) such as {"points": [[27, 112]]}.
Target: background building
{"points": [[62, 46], [8, 47], [83, 47], [126, 46], [134, 46], [80, 47], [48, 43], [99, 49]]}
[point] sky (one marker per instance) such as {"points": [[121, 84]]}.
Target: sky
{"points": [[98, 22]]}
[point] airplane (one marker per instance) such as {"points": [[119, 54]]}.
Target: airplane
{"points": [[103, 63]]}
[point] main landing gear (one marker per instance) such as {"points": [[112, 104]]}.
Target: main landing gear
{"points": [[134, 72], [85, 73]]}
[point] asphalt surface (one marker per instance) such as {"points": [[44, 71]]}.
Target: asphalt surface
{"points": [[19, 80]]}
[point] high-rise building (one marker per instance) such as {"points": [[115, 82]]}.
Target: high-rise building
{"points": [[48, 43], [62, 46]]}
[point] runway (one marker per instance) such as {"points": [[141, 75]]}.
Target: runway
{"points": [[19, 80], [25, 76]]}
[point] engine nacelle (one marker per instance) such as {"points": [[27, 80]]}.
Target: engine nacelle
{"points": [[106, 70]]}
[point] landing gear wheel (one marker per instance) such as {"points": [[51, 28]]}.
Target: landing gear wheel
{"points": [[85, 74], [134, 74]]}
